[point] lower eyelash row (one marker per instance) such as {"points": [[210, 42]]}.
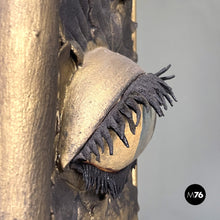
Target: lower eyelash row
{"points": [[103, 182]]}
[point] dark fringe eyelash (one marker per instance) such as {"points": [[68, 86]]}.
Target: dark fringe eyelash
{"points": [[147, 89], [103, 182]]}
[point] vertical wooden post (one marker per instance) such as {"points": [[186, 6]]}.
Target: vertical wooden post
{"points": [[28, 78]]}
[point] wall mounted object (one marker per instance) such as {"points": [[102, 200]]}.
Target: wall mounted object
{"points": [[76, 110]]}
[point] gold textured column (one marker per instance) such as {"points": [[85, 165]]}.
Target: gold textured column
{"points": [[28, 78]]}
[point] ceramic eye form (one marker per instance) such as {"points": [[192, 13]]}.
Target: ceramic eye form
{"points": [[109, 117]]}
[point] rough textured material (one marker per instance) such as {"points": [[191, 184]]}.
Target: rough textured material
{"points": [[28, 82], [90, 24], [72, 202], [82, 30]]}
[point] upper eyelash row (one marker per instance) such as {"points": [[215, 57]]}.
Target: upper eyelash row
{"points": [[147, 89]]}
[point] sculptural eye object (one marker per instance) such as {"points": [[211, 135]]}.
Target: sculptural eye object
{"points": [[109, 117]]}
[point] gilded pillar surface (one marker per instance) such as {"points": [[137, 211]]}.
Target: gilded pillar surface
{"points": [[28, 90]]}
